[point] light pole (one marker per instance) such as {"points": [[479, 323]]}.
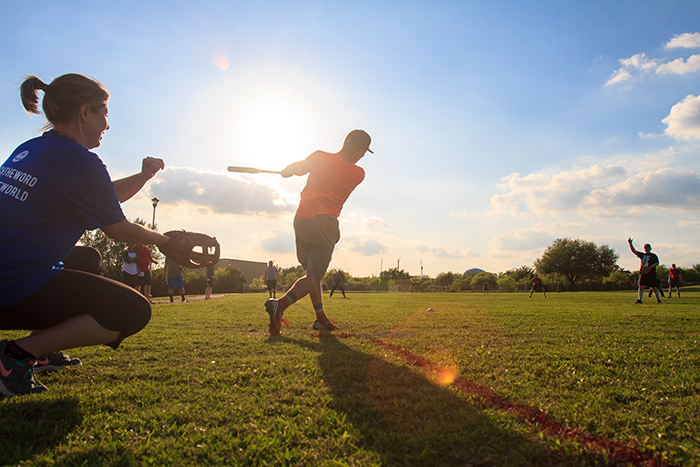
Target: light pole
{"points": [[155, 203]]}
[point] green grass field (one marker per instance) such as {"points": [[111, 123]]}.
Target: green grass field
{"points": [[574, 379]]}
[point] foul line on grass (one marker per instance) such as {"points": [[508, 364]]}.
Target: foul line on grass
{"points": [[618, 452]]}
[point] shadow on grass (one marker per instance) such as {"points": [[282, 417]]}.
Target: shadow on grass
{"points": [[407, 420], [28, 426]]}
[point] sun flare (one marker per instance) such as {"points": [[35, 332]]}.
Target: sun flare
{"points": [[273, 133]]}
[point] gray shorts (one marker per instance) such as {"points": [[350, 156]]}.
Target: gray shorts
{"points": [[316, 239]]}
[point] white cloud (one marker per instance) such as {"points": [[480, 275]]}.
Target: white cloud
{"points": [[640, 64], [686, 40], [683, 122], [524, 239], [619, 76], [372, 222], [439, 252], [689, 224], [666, 188], [680, 66], [221, 193], [552, 193], [602, 190], [277, 241], [363, 245], [538, 236]]}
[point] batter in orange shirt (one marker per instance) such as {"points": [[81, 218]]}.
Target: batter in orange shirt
{"points": [[332, 177]]}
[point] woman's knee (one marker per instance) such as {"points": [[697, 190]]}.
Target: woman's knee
{"points": [[130, 315], [86, 259]]}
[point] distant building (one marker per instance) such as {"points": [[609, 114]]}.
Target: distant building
{"points": [[251, 269], [472, 272]]}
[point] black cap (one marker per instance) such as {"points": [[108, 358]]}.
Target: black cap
{"points": [[358, 139]]}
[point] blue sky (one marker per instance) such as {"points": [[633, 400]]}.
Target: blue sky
{"points": [[497, 126]]}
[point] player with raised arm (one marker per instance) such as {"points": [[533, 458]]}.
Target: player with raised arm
{"points": [[332, 178], [647, 268]]}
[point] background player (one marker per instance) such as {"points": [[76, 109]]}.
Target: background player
{"points": [[144, 267], [338, 284], [674, 280], [210, 278], [647, 268], [172, 277], [537, 285], [271, 277]]}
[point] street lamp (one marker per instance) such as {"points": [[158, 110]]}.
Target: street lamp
{"points": [[155, 203]]}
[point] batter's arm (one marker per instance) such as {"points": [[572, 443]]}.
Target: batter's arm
{"points": [[296, 168]]}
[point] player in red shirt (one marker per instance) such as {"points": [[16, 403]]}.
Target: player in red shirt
{"points": [[144, 268], [674, 280], [537, 285], [332, 177]]}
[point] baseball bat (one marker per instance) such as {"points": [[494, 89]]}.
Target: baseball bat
{"points": [[251, 170]]}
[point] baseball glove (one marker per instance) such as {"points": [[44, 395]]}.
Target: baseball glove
{"points": [[190, 249]]}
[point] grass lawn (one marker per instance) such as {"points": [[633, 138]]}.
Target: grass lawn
{"points": [[500, 379]]}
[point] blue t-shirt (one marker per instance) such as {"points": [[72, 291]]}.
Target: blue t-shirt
{"points": [[52, 190]]}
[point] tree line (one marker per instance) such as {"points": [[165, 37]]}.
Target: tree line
{"points": [[566, 261]]}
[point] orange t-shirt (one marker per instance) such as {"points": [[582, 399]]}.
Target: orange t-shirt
{"points": [[330, 182]]}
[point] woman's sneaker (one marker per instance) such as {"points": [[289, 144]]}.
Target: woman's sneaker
{"points": [[56, 361], [16, 376]]}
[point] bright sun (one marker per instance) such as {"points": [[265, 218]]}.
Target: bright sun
{"points": [[272, 133]]}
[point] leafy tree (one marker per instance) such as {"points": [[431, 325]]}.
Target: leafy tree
{"points": [[690, 274], [619, 276], [506, 283], [484, 277], [421, 284], [258, 284], [288, 276], [229, 280], [518, 274], [111, 250], [460, 284], [445, 279], [194, 281], [577, 259], [394, 274]]}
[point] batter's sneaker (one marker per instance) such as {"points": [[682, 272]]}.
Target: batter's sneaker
{"points": [[16, 376], [56, 361], [325, 326], [273, 308]]}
